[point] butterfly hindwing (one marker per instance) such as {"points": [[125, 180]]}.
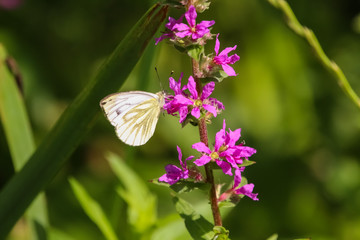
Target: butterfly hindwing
{"points": [[134, 114]]}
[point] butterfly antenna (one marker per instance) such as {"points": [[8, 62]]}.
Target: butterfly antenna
{"points": [[157, 73]]}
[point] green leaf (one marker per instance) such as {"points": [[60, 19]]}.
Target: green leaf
{"points": [[92, 209], [19, 139], [226, 204], [195, 51], [247, 163], [221, 233], [56, 234], [273, 237], [76, 121], [197, 225], [185, 187], [14, 117], [170, 227], [217, 77], [142, 214]]}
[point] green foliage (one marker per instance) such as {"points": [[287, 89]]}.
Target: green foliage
{"points": [[273, 237], [195, 52], [197, 225], [20, 139], [309, 35], [184, 187], [141, 207], [93, 210], [221, 233], [76, 121], [141, 214]]}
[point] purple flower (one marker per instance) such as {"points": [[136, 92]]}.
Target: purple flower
{"points": [[223, 59], [10, 4], [176, 85], [194, 30], [226, 153], [246, 190], [169, 33], [173, 173], [193, 102]]}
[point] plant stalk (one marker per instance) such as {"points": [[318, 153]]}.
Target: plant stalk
{"points": [[204, 138]]}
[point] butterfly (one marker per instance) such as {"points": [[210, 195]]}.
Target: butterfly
{"points": [[134, 114]]}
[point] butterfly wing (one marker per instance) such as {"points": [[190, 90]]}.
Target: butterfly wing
{"points": [[134, 115]]}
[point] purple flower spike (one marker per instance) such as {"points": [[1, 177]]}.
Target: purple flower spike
{"points": [[173, 173], [194, 30], [223, 59]]}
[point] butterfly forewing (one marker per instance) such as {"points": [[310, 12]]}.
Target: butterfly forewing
{"points": [[134, 115]]}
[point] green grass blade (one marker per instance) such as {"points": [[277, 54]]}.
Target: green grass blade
{"points": [[93, 210], [76, 121], [20, 139], [13, 116], [142, 214]]}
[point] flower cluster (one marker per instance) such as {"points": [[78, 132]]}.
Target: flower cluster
{"points": [[192, 102], [187, 34]]}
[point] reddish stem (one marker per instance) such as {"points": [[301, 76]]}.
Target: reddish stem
{"points": [[204, 138]]}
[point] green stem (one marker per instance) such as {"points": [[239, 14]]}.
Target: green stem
{"points": [[310, 37]]}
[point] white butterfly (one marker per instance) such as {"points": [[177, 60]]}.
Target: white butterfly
{"points": [[134, 114]]}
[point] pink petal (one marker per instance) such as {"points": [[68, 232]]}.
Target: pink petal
{"points": [[172, 83], [233, 58], [192, 87], [217, 44], [227, 50], [202, 160], [195, 112], [224, 125], [183, 34], [247, 191], [206, 24], [201, 147], [191, 15], [233, 137], [219, 139], [182, 100], [207, 90], [183, 112], [181, 27], [225, 167], [228, 70], [210, 109], [237, 178], [180, 154], [244, 151]]}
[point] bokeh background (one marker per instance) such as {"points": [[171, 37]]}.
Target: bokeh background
{"points": [[306, 131]]}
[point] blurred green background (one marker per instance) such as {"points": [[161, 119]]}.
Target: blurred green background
{"points": [[306, 131]]}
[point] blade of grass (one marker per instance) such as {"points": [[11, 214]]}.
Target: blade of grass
{"points": [[20, 139], [93, 210], [142, 214], [76, 121], [312, 40]]}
